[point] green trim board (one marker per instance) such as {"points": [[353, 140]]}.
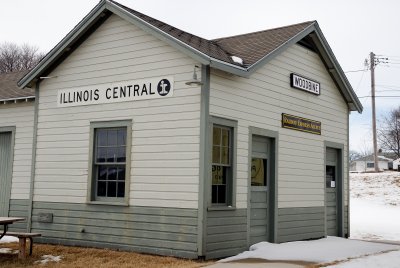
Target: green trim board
{"points": [[271, 182], [339, 186], [7, 142], [204, 160], [34, 148]]}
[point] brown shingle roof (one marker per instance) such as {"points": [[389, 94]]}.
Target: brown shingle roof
{"points": [[203, 45], [9, 89], [252, 47], [249, 47]]}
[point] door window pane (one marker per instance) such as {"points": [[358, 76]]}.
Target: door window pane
{"points": [[330, 177], [259, 172]]}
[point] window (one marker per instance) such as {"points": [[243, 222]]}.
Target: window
{"points": [[110, 161], [221, 165], [330, 177], [258, 172], [370, 165]]}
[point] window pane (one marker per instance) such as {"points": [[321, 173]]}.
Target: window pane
{"points": [[121, 137], [258, 172], [112, 137], [101, 155], [218, 175], [112, 173], [225, 155], [121, 155], [216, 136], [112, 154], [101, 188], [330, 177], [216, 155], [101, 137], [218, 194], [121, 174], [102, 175], [225, 137], [112, 189], [121, 189]]}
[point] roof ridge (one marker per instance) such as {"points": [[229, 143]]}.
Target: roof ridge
{"points": [[262, 31]]}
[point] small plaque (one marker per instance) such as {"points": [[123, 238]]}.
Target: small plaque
{"points": [[45, 217], [301, 124]]}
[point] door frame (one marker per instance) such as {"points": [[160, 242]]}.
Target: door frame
{"points": [[11, 130], [339, 187], [271, 181]]}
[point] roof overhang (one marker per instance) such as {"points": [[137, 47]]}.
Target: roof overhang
{"points": [[105, 8]]}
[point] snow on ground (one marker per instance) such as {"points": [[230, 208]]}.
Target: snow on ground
{"points": [[323, 250], [386, 260], [8, 239], [48, 258], [375, 206]]}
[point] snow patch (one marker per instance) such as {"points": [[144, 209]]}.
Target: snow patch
{"points": [[323, 250], [8, 251], [48, 258], [237, 60], [8, 239], [387, 260]]}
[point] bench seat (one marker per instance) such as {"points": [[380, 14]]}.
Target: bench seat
{"points": [[22, 242]]}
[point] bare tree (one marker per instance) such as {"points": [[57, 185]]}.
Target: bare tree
{"points": [[389, 132], [17, 58]]}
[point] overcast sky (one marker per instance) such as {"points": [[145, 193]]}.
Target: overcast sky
{"points": [[353, 29]]}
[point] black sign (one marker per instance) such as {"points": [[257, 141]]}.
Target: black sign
{"points": [[305, 84], [301, 124]]}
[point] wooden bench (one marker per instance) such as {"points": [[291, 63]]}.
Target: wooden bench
{"points": [[22, 242]]}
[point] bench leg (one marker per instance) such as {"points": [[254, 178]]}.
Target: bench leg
{"points": [[22, 248], [30, 245]]}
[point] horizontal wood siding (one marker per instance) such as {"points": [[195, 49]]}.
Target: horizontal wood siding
{"points": [[226, 233], [19, 208], [300, 223], [165, 132], [260, 100], [20, 116], [156, 230]]}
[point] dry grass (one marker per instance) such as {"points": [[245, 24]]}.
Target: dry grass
{"points": [[91, 257]]}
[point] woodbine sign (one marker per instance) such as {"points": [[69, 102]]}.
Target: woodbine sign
{"points": [[116, 92], [299, 82]]}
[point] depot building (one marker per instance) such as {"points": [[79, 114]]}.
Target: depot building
{"points": [[133, 134]]}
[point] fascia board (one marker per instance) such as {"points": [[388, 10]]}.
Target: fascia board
{"points": [[73, 35], [147, 27], [257, 65], [337, 71]]}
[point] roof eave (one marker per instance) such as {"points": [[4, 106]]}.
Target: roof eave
{"points": [[336, 71], [63, 45]]}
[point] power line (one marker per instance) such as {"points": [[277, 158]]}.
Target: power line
{"points": [[379, 97]]}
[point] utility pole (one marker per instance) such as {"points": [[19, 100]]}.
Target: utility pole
{"points": [[372, 62]]}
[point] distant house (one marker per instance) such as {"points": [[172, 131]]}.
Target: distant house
{"points": [[396, 164], [366, 163]]}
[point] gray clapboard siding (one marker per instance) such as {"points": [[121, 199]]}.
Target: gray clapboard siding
{"points": [[19, 208], [165, 231], [20, 116], [226, 233], [260, 101], [300, 223], [165, 132]]}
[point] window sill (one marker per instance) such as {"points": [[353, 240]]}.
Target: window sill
{"points": [[108, 203], [221, 208]]}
